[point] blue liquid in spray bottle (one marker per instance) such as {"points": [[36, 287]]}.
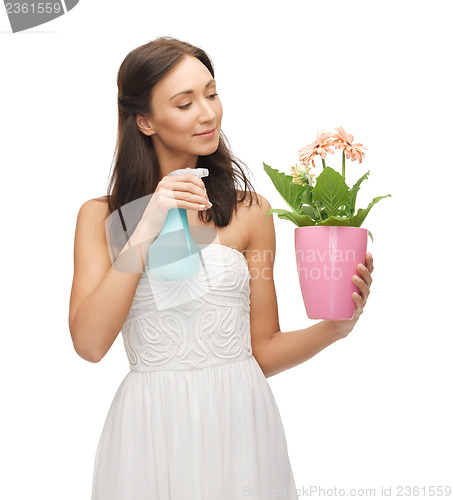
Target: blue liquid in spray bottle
{"points": [[174, 254]]}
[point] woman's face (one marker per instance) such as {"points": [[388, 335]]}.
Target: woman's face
{"points": [[184, 103]]}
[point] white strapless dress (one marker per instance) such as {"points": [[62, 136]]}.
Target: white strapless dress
{"points": [[195, 418]]}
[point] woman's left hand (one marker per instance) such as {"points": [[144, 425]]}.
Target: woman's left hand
{"points": [[344, 327]]}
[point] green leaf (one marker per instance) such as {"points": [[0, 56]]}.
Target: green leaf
{"points": [[306, 210], [343, 213], [306, 195], [331, 190], [293, 194], [334, 221], [371, 236], [358, 219], [299, 220], [353, 193]]}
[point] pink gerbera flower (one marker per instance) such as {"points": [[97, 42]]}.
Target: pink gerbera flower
{"points": [[319, 147], [343, 140]]}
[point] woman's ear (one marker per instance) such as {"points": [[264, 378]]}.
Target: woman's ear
{"points": [[144, 125]]}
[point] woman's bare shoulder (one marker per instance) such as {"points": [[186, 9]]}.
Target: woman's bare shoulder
{"points": [[101, 199], [253, 209], [95, 210]]}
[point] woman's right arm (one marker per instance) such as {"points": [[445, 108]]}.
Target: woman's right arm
{"points": [[101, 296]]}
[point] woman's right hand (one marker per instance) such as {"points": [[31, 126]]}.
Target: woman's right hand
{"points": [[174, 191]]}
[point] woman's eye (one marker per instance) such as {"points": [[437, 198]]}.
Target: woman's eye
{"points": [[187, 105]]}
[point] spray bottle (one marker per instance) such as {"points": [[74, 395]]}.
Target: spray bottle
{"points": [[174, 254]]}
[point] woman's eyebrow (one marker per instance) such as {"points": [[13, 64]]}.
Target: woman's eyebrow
{"points": [[191, 91]]}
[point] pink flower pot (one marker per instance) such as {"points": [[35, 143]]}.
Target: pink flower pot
{"points": [[327, 258]]}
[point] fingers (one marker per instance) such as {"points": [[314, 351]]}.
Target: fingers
{"points": [[363, 282], [363, 289], [369, 262], [184, 186], [360, 303], [365, 273]]}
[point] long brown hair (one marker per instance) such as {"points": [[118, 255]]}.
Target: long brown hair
{"points": [[136, 171]]}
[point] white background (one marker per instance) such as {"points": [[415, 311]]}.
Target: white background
{"points": [[372, 410]]}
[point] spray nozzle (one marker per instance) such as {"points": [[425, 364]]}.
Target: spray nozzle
{"points": [[199, 172]]}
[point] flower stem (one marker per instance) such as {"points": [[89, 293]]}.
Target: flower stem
{"points": [[323, 163], [343, 173]]}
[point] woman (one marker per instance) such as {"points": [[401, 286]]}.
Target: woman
{"points": [[195, 417]]}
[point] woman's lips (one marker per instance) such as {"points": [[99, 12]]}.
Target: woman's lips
{"points": [[207, 134]]}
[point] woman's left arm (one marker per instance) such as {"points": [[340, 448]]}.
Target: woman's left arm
{"points": [[277, 351]]}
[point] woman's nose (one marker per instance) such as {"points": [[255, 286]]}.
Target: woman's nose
{"points": [[207, 113]]}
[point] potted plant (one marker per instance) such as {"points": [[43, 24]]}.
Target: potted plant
{"points": [[329, 241]]}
